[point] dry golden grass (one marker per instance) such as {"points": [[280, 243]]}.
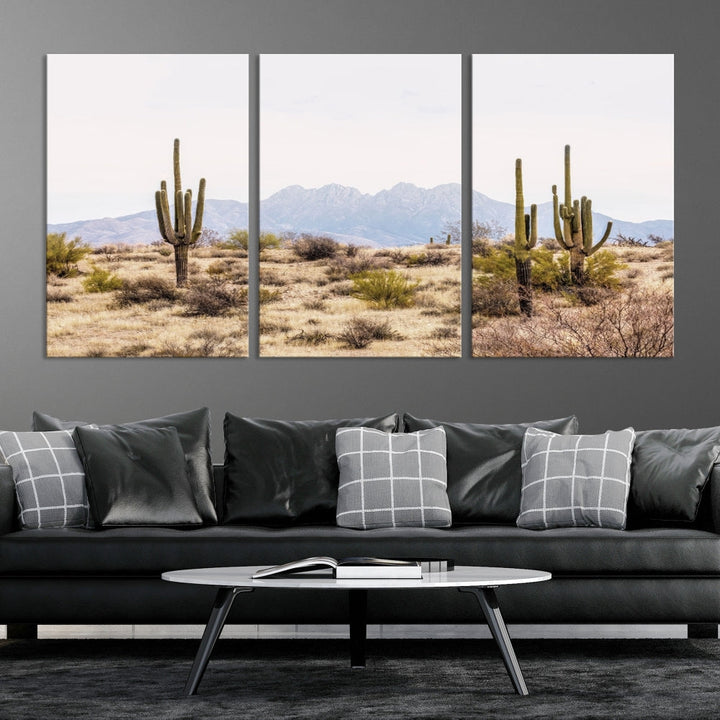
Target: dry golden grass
{"points": [[314, 304], [81, 324], [634, 321]]}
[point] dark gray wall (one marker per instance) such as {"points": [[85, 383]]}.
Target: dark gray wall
{"points": [[603, 393]]}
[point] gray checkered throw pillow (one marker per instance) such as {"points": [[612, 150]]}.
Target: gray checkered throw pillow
{"points": [[49, 478], [575, 480], [392, 479]]}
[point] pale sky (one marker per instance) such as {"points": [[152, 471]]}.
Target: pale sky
{"points": [[368, 121], [112, 119], [615, 111]]}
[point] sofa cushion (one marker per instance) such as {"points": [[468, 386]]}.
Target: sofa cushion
{"points": [[49, 478], [483, 464], [280, 472], [669, 471], [562, 551], [193, 429], [392, 479], [575, 480], [136, 476]]}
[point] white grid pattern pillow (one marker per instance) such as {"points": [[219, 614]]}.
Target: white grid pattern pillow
{"points": [[575, 480], [49, 478], [392, 479]]}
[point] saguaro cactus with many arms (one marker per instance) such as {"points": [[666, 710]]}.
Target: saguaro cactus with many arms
{"points": [[183, 232], [525, 241], [573, 227]]}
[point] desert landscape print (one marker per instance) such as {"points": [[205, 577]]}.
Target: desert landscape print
{"points": [[142, 257], [582, 263], [360, 248]]}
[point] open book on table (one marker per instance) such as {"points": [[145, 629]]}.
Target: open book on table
{"points": [[356, 568]]}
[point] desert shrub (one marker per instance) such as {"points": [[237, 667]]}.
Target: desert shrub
{"points": [[498, 261], [227, 268], [146, 289], [431, 257], [62, 255], [270, 277], [667, 249], [212, 298], [268, 296], [446, 332], [359, 332], [101, 281], [241, 238], [636, 324], [315, 247], [600, 269], [315, 304], [342, 268], [165, 251], [587, 295], [309, 337], [481, 246], [384, 288], [495, 297], [351, 250], [53, 294]]}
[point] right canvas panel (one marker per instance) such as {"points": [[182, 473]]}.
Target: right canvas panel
{"points": [[573, 218]]}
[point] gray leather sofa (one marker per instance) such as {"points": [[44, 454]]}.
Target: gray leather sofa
{"points": [[646, 574]]}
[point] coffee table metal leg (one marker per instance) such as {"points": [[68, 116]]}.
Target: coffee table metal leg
{"points": [[221, 608], [488, 602], [358, 627]]}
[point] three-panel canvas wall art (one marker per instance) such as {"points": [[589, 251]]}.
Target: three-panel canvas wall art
{"points": [[361, 244]]}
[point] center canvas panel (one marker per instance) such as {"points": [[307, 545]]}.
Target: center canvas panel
{"points": [[360, 160], [147, 193]]}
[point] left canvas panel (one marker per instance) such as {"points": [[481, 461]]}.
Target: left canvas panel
{"points": [[147, 205]]}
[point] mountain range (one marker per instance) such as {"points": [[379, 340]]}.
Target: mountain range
{"points": [[403, 215]]}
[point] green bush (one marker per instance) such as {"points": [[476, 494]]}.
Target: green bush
{"points": [[101, 281], [384, 288], [63, 255], [241, 238], [432, 257], [548, 272], [498, 261], [600, 269]]}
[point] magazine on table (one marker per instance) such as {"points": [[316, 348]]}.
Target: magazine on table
{"points": [[348, 568]]}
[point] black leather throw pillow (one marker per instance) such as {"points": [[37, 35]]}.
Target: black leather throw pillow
{"points": [[483, 466], [136, 476], [193, 429], [669, 471], [284, 472]]}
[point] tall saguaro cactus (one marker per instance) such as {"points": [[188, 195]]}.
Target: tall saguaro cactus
{"points": [[525, 241], [183, 232], [573, 227]]}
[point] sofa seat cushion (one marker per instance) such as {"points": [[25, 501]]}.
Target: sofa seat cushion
{"points": [[562, 551]]}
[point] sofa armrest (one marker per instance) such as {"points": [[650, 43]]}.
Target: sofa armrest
{"points": [[7, 500], [715, 496]]}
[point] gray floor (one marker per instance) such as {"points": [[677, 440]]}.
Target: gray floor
{"points": [[340, 631]]}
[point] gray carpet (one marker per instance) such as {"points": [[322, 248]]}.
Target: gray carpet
{"points": [[404, 679]]}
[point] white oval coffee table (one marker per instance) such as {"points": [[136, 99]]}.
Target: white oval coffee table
{"points": [[480, 581]]}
